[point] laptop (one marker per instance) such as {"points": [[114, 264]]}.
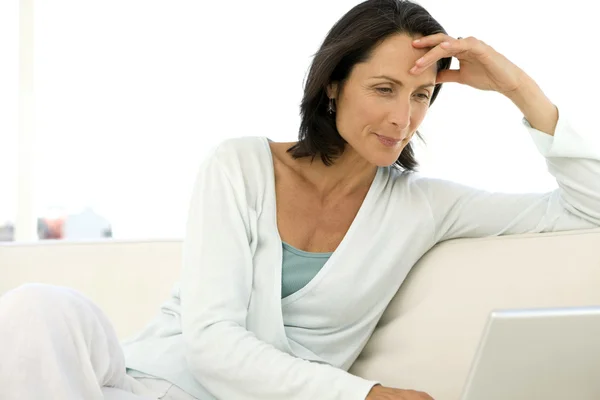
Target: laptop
{"points": [[545, 354]]}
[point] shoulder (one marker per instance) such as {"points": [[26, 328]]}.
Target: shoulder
{"points": [[403, 181], [245, 161], [240, 148], [440, 194], [436, 187], [239, 153], [413, 185]]}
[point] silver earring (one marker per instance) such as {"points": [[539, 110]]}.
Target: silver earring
{"points": [[331, 107]]}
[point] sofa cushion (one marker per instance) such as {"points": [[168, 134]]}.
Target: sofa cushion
{"points": [[129, 280], [425, 339], [430, 331]]}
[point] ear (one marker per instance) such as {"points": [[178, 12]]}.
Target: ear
{"points": [[332, 90]]}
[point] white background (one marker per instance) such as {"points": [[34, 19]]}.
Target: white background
{"points": [[130, 95]]}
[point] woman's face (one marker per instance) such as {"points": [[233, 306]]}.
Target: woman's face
{"points": [[381, 104]]}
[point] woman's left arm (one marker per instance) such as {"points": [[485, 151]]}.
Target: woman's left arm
{"points": [[483, 68], [461, 211], [537, 109]]}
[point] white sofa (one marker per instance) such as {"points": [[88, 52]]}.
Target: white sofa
{"points": [[429, 333]]}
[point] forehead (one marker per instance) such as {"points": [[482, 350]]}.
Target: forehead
{"points": [[394, 57]]}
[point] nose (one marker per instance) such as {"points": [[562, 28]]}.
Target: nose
{"points": [[399, 114]]}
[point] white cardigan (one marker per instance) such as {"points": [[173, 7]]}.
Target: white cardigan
{"points": [[226, 329]]}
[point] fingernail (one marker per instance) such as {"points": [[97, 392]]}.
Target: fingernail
{"points": [[420, 60], [445, 44], [416, 40]]}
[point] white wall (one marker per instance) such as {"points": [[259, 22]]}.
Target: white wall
{"points": [[9, 64], [132, 93]]}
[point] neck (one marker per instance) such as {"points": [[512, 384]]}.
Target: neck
{"points": [[349, 173]]}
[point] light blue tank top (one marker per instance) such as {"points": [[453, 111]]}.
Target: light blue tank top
{"points": [[299, 267]]}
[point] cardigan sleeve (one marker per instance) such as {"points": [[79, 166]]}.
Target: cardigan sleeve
{"points": [[460, 211], [226, 358]]}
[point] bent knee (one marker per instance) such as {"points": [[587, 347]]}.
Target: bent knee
{"points": [[34, 298]]}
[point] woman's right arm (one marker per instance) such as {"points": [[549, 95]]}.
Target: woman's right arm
{"points": [[226, 358]]}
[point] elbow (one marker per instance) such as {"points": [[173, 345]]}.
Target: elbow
{"points": [[198, 350], [208, 350]]}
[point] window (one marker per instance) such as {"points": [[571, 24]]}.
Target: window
{"points": [[131, 94], [9, 54]]}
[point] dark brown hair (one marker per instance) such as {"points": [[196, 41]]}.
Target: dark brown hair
{"points": [[351, 41]]}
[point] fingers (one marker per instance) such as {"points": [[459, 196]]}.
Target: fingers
{"points": [[431, 40], [443, 46], [448, 47], [448, 75], [473, 45]]}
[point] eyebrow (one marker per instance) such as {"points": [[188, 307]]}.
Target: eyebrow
{"points": [[400, 83]]}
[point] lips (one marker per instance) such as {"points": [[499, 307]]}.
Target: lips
{"points": [[388, 141]]}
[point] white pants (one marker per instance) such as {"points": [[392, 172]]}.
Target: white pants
{"points": [[56, 344]]}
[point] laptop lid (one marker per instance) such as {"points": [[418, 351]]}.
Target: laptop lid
{"points": [[549, 354]]}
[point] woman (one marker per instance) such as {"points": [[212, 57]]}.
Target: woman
{"points": [[293, 250]]}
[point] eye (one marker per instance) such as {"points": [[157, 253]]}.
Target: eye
{"points": [[423, 96], [384, 90]]}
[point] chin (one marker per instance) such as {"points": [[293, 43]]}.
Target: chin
{"points": [[385, 159], [384, 155]]}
